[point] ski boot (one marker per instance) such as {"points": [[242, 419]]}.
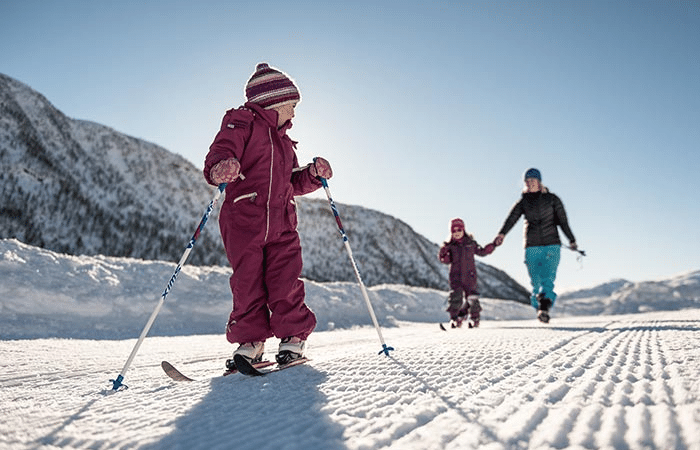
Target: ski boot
{"points": [[252, 351], [291, 349], [543, 309], [474, 311], [457, 321]]}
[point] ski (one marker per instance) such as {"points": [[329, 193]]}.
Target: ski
{"points": [[254, 370], [176, 375], [173, 373], [470, 324]]}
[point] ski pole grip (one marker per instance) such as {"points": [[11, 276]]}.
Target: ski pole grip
{"points": [[323, 180]]}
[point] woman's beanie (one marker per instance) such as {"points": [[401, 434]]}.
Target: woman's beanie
{"points": [[270, 88], [457, 223], [533, 173]]}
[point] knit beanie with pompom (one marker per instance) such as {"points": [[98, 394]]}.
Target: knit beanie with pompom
{"points": [[270, 88]]}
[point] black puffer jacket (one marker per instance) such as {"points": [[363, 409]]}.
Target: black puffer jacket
{"points": [[543, 212]]}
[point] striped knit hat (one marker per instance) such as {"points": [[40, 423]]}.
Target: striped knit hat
{"points": [[270, 88]]}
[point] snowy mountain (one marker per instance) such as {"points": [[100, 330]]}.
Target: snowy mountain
{"points": [[605, 289], [387, 250], [622, 297], [81, 188]]}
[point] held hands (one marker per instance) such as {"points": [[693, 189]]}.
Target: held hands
{"points": [[499, 240], [225, 171], [320, 168]]}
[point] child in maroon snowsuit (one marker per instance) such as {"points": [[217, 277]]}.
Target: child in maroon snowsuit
{"points": [[258, 221], [459, 252]]}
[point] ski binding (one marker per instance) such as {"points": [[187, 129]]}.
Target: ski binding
{"points": [[255, 370]]}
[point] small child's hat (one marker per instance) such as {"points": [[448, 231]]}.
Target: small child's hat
{"points": [[456, 224], [270, 88]]}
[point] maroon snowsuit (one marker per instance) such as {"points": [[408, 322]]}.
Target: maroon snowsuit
{"points": [[258, 225], [463, 281]]}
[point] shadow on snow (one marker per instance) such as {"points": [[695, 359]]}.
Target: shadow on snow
{"points": [[277, 411]]}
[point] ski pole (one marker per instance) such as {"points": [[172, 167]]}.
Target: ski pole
{"points": [[385, 348], [117, 383], [580, 255], [580, 252]]}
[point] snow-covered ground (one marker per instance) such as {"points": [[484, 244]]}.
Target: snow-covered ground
{"points": [[623, 381]]}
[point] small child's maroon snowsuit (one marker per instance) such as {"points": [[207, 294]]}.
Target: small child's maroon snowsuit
{"points": [[459, 253], [258, 225]]}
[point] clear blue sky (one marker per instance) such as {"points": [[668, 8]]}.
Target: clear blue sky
{"points": [[426, 110]]}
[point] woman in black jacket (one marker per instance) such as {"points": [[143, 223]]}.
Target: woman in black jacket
{"points": [[543, 212]]}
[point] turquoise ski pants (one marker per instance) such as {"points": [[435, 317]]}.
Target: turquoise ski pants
{"points": [[542, 263]]}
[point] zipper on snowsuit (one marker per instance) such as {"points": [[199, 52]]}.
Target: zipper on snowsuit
{"points": [[269, 188]]}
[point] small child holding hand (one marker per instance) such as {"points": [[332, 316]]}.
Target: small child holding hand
{"points": [[459, 253]]}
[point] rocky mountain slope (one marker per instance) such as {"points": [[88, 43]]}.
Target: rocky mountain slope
{"points": [[79, 187]]}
